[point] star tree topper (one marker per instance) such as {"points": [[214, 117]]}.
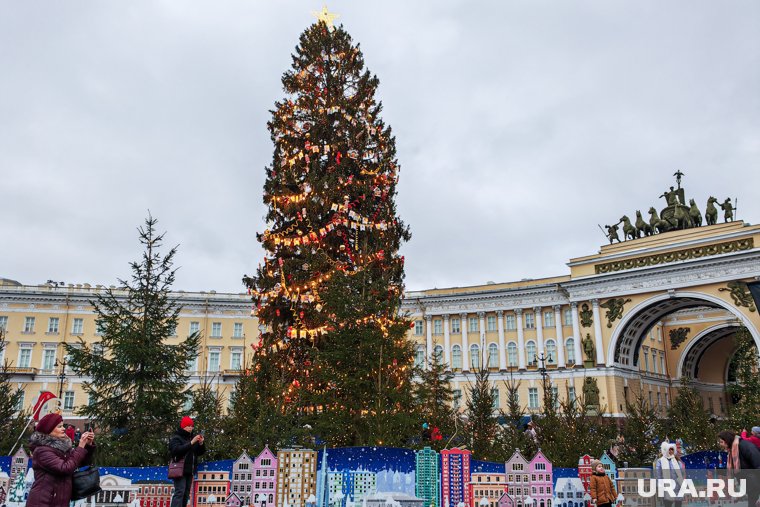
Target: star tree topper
{"points": [[326, 16]]}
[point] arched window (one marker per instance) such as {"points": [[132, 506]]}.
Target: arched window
{"points": [[570, 354], [456, 357], [438, 353], [474, 356], [419, 356], [551, 352], [512, 354], [530, 350], [493, 355]]}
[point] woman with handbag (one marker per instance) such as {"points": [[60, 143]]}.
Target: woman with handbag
{"points": [[54, 462], [184, 448]]}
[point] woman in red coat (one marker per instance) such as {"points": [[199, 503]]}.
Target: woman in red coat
{"points": [[54, 462]]}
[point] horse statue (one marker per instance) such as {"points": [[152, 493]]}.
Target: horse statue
{"points": [[695, 214], [641, 226], [681, 218], [628, 229], [711, 215], [657, 224]]}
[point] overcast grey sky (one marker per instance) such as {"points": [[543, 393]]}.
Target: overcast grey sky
{"points": [[520, 125]]}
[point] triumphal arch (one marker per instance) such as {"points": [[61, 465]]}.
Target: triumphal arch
{"points": [[662, 300]]}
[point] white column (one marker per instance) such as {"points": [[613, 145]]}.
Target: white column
{"points": [[502, 345], [576, 335], [560, 337], [482, 330], [446, 342], [598, 332], [538, 316], [465, 345], [429, 333], [520, 339]]}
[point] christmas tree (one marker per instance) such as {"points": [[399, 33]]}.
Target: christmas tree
{"points": [[689, 421], [334, 353], [482, 424], [136, 374], [641, 433], [434, 398], [744, 388]]}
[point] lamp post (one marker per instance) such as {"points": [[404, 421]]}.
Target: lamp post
{"points": [[61, 380]]}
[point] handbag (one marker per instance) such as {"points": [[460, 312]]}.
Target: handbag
{"points": [[85, 483], [176, 469]]}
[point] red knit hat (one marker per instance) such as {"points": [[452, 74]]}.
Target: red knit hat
{"points": [[48, 423], [186, 421]]}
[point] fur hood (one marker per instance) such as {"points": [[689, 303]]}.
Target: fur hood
{"points": [[41, 439], [665, 449]]}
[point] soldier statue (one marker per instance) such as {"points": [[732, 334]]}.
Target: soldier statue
{"points": [[612, 232], [728, 210]]}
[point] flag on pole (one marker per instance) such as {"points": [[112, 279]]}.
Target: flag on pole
{"points": [[45, 396]]}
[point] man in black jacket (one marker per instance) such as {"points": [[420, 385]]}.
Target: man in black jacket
{"points": [[185, 445]]}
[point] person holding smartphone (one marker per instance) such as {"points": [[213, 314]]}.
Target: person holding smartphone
{"points": [[54, 461], [185, 445]]}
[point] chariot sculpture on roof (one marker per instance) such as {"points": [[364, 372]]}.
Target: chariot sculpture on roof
{"points": [[676, 215]]}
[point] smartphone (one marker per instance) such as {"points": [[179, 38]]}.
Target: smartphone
{"points": [[88, 426]]}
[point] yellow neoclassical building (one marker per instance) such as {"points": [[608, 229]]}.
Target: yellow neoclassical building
{"points": [[38, 320], [635, 317]]}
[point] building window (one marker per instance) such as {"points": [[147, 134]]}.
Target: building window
{"points": [[77, 327], [555, 396], [567, 317], [659, 401], [551, 352], [213, 360], [68, 400], [651, 401], [512, 354], [100, 327], [530, 322], [25, 357], [533, 397], [53, 325], [548, 319], [472, 324], [418, 328], [192, 364], [236, 360], [570, 351], [491, 323], [530, 350], [495, 394], [216, 330], [571, 396], [455, 325], [474, 356], [48, 359], [438, 352], [3, 323], [237, 330], [419, 356], [195, 327], [662, 363], [646, 361], [437, 326], [20, 403], [457, 399], [654, 361], [493, 355], [510, 323], [456, 357], [29, 325]]}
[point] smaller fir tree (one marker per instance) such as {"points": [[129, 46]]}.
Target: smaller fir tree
{"points": [[512, 435], [137, 379], [482, 424], [435, 398], [12, 420], [642, 429], [745, 391], [208, 413], [688, 419]]}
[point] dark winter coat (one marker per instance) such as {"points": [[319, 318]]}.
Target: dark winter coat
{"points": [[54, 463], [180, 447], [749, 455]]}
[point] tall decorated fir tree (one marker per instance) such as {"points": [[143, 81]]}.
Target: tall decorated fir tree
{"points": [[483, 422], [434, 398], [136, 374], [334, 353], [744, 387]]}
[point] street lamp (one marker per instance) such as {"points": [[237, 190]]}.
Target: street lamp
{"points": [[541, 359], [61, 380]]}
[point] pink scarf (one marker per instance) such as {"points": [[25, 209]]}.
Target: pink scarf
{"points": [[733, 456]]}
